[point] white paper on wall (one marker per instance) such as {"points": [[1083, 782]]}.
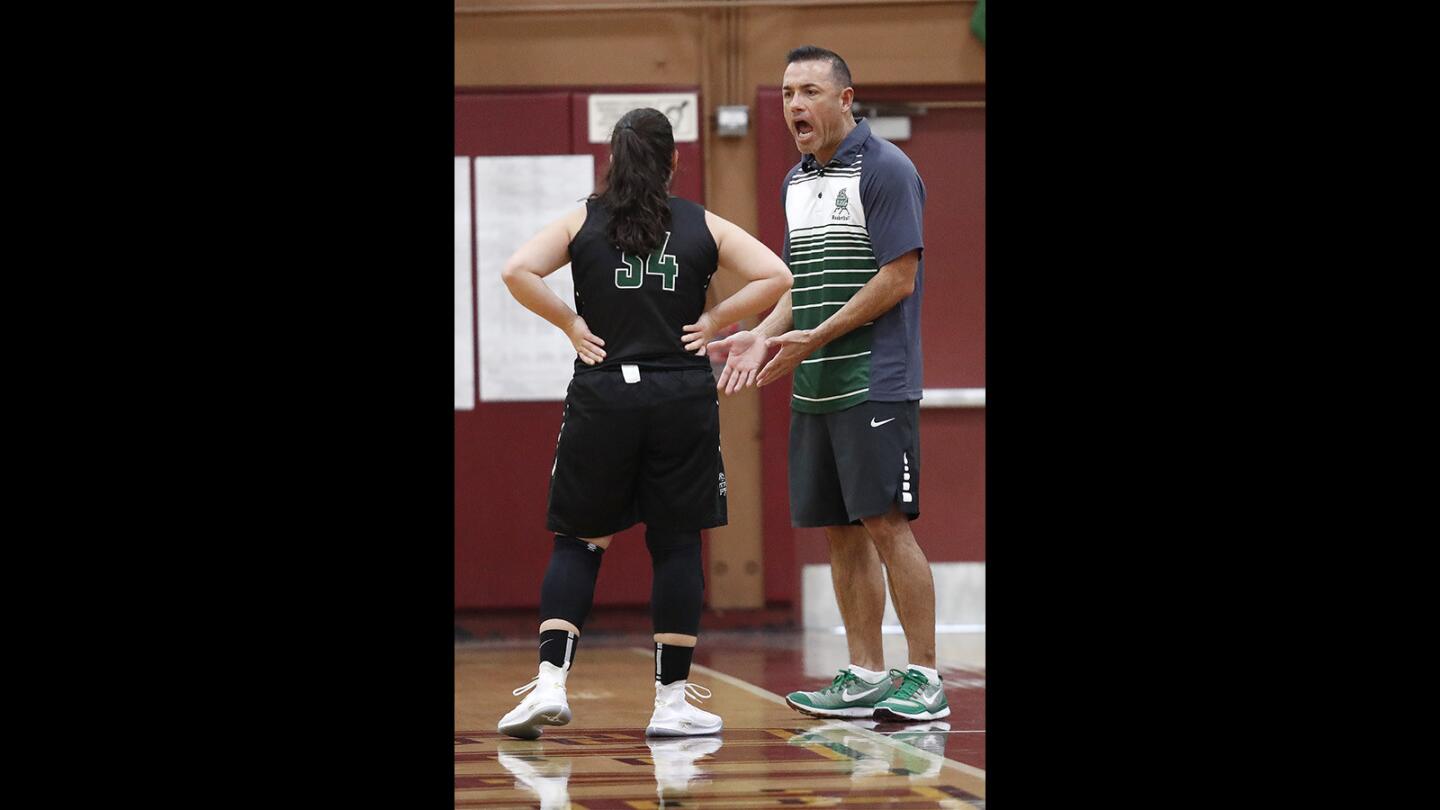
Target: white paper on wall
{"points": [[522, 356], [464, 291]]}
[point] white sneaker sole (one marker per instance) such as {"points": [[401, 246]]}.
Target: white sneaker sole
{"points": [[894, 716], [858, 711], [527, 728], [693, 731]]}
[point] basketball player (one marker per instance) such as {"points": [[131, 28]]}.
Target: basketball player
{"points": [[640, 436]]}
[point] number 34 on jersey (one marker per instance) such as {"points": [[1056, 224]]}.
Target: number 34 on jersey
{"points": [[636, 268]]}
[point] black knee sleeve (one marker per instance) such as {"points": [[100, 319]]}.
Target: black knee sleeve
{"points": [[569, 586], [677, 590]]}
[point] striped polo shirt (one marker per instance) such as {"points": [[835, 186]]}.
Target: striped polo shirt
{"points": [[844, 221]]}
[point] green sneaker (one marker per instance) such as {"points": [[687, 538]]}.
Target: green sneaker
{"points": [[846, 696], [916, 699]]}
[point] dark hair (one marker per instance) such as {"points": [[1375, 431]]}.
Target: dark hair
{"points": [[809, 53], [637, 182]]}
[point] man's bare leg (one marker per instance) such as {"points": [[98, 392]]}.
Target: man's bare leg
{"points": [[859, 584], [911, 584]]}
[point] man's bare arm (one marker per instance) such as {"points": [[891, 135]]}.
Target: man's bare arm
{"points": [[892, 284]]}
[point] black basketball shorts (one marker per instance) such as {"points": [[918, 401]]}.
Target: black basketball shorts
{"points": [[647, 451], [854, 463]]}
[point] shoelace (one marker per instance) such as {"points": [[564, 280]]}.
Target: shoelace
{"points": [[534, 682], [692, 690], [841, 681], [912, 684]]}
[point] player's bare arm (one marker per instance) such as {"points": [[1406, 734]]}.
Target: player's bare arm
{"points": [[767, 279], [546, 252]]}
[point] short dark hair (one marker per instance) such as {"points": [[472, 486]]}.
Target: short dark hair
{"points": [[810, 53]]}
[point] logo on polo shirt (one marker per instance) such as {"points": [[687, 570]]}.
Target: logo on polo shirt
{"points": [[842, 206]]}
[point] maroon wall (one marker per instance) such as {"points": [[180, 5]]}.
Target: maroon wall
{"points": [[504, 450], [948, 149]]}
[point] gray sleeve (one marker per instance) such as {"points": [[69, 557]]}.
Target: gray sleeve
{"points": [[894, 200]]}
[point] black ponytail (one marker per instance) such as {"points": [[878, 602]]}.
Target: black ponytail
{"points": [[637, 183]]}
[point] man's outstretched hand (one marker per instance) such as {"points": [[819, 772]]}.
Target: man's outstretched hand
{"points": [[795, 346], [744, 353]]}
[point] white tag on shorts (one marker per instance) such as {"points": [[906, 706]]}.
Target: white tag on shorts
{"points": [[631, 373]]}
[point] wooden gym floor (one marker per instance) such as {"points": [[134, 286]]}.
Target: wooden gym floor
{"points": [[767, 756]]}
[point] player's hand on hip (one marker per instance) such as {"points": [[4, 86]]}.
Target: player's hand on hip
{"points": [[744, 352], [586, 344], [794, 346], [699, 334]]}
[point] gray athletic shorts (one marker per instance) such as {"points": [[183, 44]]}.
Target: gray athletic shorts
{"points": [[854, 463]]}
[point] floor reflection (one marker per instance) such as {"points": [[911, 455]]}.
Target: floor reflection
{"points": [[677, 762], [545, 777], [677, 766], [917, 751]]}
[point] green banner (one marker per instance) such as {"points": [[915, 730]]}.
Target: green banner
{"points": [[977, 21]]}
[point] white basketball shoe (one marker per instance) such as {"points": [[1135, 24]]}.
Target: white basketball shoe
{"points": [[545, 706], [674, 715]]}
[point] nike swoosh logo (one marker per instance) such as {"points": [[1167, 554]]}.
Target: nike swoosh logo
{"points": [[931, 702], [546, 641], [873, 423], [847, 697]]}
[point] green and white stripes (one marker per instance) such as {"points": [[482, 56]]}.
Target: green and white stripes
{"points": [[830, 262]]}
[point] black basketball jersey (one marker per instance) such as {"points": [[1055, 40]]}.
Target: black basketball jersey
{"points": [[639, 304]]}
